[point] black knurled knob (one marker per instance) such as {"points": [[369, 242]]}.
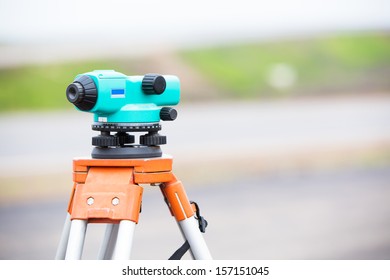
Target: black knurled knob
{"points": [[104, 141], [153, 84], [124, 138], [152, 139], [168, 114]]}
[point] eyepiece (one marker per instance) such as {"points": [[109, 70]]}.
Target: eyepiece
{"points": [[75, 93], [82, 93]]}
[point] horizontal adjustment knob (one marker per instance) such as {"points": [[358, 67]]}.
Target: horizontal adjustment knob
{"points": [[168, 114]]}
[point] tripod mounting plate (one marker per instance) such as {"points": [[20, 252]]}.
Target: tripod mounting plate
{"points": [[126, 152]]}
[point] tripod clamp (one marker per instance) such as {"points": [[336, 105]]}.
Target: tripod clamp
{"points": [[179, 253], [201, 221]]}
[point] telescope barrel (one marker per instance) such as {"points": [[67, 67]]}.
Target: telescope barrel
{"points": [[116, 98]]}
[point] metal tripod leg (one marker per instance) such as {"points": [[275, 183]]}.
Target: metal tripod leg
{"points": [[117, 242], [108, 244], [193, 235], [61, 250], [124, 240], [75, 246]]}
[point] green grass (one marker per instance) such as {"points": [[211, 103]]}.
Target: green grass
{"points": [[318, 65], [326, 65], [41, 86]]}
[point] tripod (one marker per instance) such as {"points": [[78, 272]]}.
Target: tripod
{"points": [[109, 191]]}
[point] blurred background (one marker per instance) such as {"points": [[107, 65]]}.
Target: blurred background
{"points": [[283, 134]]}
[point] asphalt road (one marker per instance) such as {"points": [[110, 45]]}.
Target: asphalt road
{"points": [[306, 179]]}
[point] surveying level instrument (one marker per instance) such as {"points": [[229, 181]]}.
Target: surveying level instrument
{"points": [[107, 187]]}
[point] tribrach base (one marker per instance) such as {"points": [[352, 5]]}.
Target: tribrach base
{"points": [[130, 151], [108, 191]]}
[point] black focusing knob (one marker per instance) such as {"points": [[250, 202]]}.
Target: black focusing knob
{"points": [[168, 114], [153, 84]]}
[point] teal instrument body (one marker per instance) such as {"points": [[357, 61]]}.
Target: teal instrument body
{"points": [[114, 97]]}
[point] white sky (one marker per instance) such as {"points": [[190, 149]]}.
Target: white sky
{"points": [[47, 30], [152, 20]]}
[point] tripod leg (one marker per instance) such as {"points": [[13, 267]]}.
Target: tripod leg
{"points": [[124, 240], [182, 210], [108, 244], [61, 250], [76, 239], [194, 237]]}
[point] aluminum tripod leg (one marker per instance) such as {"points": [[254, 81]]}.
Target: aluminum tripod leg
{"points": [[117, 242], [74, 250], [61, 250], [108, 244], [124, 240], [193, 235]]}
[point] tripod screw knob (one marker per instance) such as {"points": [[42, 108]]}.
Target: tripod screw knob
{"points": [[104, 141], [153, 84], [168, 114], [124, 138], [152, 139]]}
